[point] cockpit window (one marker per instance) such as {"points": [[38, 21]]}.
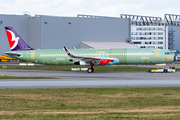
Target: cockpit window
{"points": [[167, 53]]}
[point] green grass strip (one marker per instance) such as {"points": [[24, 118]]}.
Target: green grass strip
{"points": [[90, 103]]}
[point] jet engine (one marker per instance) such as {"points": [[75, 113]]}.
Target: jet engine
{"points": [[109, 61]]}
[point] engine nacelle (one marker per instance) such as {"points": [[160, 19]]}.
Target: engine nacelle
{"points": [[109, 61], [81, 63], [105, 61]]}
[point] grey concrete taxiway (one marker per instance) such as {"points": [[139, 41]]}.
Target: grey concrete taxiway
{"points": [[80, 79]]}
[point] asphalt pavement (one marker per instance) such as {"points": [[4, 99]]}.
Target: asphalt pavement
{"points": [[82, 79]]}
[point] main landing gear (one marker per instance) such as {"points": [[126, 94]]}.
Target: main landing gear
{"points": [[91, 69]]}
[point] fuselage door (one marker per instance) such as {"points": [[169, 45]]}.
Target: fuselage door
{"points": [[32, 55], [157, 53]]}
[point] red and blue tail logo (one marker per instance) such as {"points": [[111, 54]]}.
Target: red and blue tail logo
{"points": [[15, 41]]}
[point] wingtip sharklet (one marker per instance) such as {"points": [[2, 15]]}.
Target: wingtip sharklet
{"points": [[68, 53]]}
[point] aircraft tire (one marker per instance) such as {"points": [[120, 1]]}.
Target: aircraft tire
{"points": [[0, 60], [90, 70], [165, 71]]}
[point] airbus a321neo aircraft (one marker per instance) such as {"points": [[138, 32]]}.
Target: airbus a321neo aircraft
{"points": [[21, 51]]}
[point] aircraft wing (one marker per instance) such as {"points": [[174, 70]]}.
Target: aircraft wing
{"points": [[79, 57], [12, 54], [100, 61]]}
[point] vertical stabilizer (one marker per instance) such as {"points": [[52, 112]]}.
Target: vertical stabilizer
{"points": [[15, 41]]}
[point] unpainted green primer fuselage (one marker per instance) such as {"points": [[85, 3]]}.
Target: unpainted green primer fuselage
{"points": [[125, 56]]}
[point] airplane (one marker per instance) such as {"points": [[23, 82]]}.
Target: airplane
{"points": [[22, 51]]}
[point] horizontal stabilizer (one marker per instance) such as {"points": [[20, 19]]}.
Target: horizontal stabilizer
{"points": [[12, 54]]}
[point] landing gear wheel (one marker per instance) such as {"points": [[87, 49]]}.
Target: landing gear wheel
{"points": [[90, 70], [165, 71]]}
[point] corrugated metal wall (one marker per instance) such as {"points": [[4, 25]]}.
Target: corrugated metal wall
{"points": [[70, 31], [35, 32]]}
